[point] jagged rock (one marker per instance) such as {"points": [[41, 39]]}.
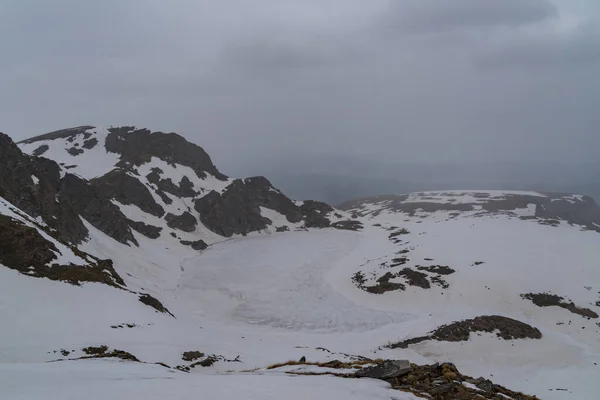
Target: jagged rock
{"points": [[24, 249], [77, 195], [314, 213], [184, 222], [284, 228], [153, 232], [388, 369], [59, 202], [127, 190], [154, 303], [185, 188], [138, 146], [69, 133], [237, 209]]}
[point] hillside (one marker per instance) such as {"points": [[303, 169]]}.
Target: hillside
{"points": [[129, 251]]}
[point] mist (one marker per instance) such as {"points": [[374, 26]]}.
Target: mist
{"points": [[330, 99]]}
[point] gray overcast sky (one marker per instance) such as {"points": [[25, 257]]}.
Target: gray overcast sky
{"points": [[413, 80]]}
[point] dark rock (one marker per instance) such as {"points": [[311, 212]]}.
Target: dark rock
{"points": [[508, 329], [302, 359], [154, 303], [40, 150], [284, 228], [137, 147], [184, 222], [95, 351], [79, 196], [548, 300], [59, 202], [197, 245], [348, 225], [437, 269], [190, 356], [90, 143], [153, 232], [166, 199], [74, 151], [127, 190], [69, 133], [415, 278], [388, 369], [185, 188], [24, 249], [237, 209]]}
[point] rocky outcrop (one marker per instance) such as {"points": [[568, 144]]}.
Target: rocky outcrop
{"points": [[185, 188], [69, 133], [58, 201], [127, 190], [237, 209], [24, 249], [505, 328], [388, 369], [138, 146], [184, 222], [153, 232], [197, 245]]}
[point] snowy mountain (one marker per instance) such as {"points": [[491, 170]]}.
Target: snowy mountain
{"points": [[126, 254]]}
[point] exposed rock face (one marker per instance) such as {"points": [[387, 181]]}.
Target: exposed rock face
{"points": [[314, 213], [153, 232], [58, 201], [137, 147], [237, 209], [69, 133], [127, 190], [185, 188], [40, 150], [184, 222], [154, 303], [24, 249]]}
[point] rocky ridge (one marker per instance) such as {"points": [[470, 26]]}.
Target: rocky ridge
{"points": [[156, 184]]}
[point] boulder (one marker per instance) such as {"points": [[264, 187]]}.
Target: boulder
{"points": [[388, 369]]}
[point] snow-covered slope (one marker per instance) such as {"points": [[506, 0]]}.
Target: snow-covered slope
{"points": [[169, 189], [514, 277]]}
